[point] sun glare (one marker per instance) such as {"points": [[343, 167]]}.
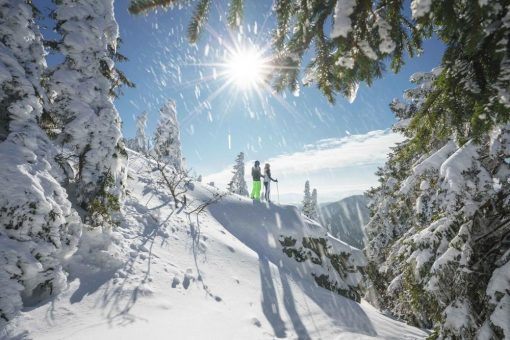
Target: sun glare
{"points": [[246, 68]]}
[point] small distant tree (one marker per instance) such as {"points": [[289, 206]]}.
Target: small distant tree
{"points": [[314, 208], [238, 185], [141, 139], [167, 144], [306, 208]]}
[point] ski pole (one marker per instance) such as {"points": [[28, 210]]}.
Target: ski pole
{"points": [[278, 192]]}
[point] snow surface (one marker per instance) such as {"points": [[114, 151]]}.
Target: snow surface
{"points": [[218, 276]]}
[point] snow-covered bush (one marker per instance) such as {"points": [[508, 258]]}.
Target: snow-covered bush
{"points": [[167, 143], [38, 226], [82, 90], [439, 237], [237, 184]]}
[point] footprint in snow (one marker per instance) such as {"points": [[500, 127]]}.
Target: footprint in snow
{"points": [[256, 322], [175, 282], [187, 280], [188, 277]]}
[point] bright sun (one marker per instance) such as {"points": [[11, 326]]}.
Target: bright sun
{"points": [[247, 68]]}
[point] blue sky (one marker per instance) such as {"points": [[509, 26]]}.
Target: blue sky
{"points": [[165, 66]]}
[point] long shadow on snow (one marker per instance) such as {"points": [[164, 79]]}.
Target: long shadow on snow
{"points": [[269, 299], [252, 224], [290, 307]]}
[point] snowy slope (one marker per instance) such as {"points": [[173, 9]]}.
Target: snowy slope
{"points": [[222, 276], [346, 219]]}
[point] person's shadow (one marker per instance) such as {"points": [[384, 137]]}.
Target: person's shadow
{"points": [[269, 298], [290, 307]]}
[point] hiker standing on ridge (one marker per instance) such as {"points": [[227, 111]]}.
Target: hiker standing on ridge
{"points": [[255, 174], [267, 182]]}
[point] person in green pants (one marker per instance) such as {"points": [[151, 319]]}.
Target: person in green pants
{"points": [[256, 174]]}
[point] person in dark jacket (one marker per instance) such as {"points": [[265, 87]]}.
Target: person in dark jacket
{"points": [[256, 174], [267, 182]]}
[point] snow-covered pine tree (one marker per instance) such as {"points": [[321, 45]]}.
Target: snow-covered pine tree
{"points": [[439, 238], [82, 90], [140, 142], [140, 138], [238, 184], [167, 143], [314, 206], [38, 226], [306, 204]]}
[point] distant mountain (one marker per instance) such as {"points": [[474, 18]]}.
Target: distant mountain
{"points": [[346, 218]]}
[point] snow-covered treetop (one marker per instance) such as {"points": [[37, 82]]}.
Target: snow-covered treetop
{"points": [[141, 139], [238, 183], [167, 143]]}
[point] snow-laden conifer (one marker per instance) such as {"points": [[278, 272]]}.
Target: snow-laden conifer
{"points": [[438, 241], [238, 184], [140, 138], [314, 211], [306, 204], [38, 227], [167, 143], [82, 89]]}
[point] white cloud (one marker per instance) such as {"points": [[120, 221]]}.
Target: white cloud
{"points": [[336, 167]]}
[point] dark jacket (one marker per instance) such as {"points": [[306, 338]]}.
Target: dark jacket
{"points": [[255, 173]]}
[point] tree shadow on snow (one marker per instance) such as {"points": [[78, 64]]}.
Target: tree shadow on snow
{"points": [[90, 281], [121, 286], [118, 299]]}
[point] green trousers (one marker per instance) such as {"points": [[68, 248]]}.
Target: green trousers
{"points": [[255, 191]]}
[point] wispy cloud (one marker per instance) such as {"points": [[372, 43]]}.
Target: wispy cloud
{"points": [[336, 167]]}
